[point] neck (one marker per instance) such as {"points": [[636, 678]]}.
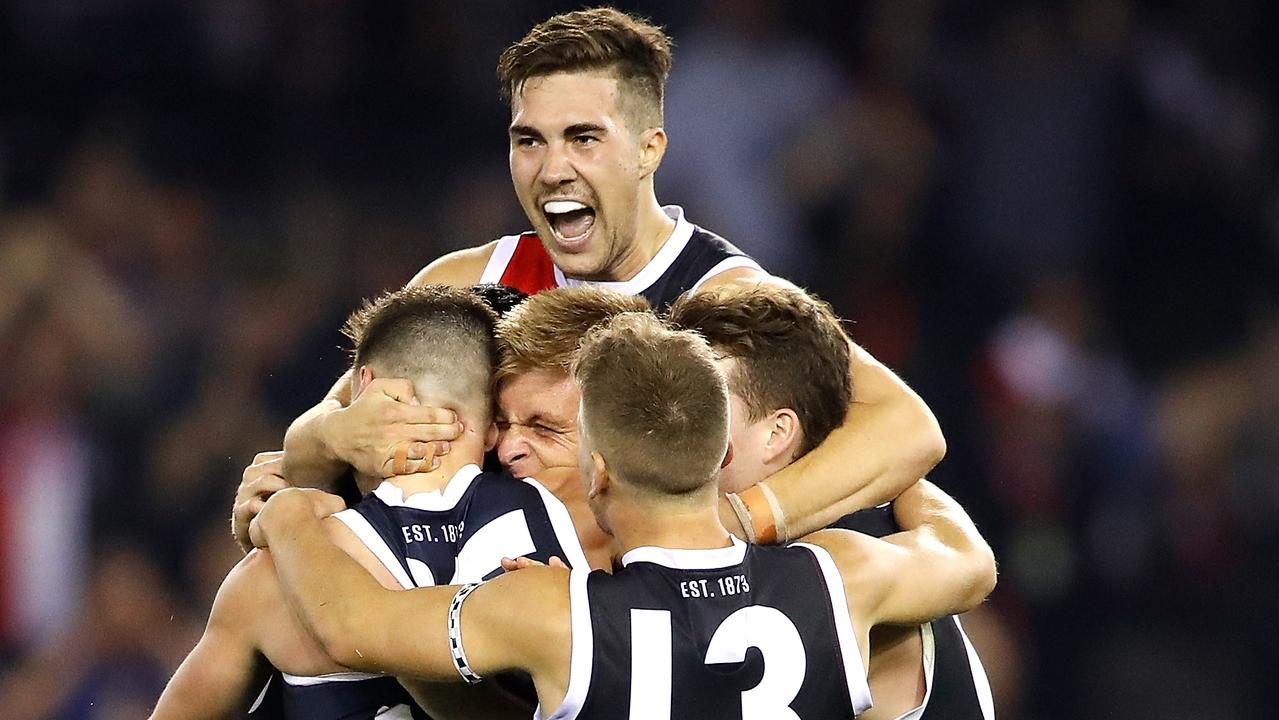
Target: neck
{"points": [[669, 526], [652, 229], [434, 480]]}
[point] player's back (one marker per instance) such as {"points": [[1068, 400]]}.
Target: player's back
{"points": [[738, 632], [461, 533], [458, 534]]}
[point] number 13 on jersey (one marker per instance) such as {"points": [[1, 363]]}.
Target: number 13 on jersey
{"points": [[758, 626]]}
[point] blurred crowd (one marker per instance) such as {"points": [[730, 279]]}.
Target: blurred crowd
{"points": [[1057, 219]]}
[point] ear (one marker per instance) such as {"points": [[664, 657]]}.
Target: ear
{"points": [[490, 437], [362, 380], [652, 144], [728, 456], [599, 481], [784, 436]]}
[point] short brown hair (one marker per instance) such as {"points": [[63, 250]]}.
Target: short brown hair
{"points": [[637, 52], [654, 404], [439, 337], [544, 331], [790, 349]]}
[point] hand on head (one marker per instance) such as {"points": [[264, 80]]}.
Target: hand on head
{"points": [[384, 432]]}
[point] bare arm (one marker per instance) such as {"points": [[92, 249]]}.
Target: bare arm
{"points": [[939, 565], [888, 440], [219, 676], [366, 627], [325, 439]]}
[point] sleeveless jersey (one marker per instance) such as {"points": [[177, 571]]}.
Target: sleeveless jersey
{"points": [[744, 632], [956, 685], [457, 535], [688, 258]]}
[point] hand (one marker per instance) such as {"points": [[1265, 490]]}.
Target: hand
{"points": [[511, 565], [316, 503], [384, 432], [262, 479]]}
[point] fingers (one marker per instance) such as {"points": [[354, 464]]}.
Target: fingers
{"points": [[261, 479], [520, 563], [414, 457]]}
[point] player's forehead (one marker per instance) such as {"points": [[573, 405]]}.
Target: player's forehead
{"points": [[548, 393], [550, 103]]}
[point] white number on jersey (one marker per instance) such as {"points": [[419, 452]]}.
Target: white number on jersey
{"points": [[757, 626]]}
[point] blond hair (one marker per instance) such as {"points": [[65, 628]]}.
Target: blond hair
{"points": [[544, 331]]}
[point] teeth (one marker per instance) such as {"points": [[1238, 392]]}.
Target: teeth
{"points": [[556, 207]]}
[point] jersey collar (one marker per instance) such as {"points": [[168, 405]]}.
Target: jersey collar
{"points": [[655, 268], [443, 499], [683, 559]]}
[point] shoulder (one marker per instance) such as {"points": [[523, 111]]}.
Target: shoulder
{"points": [[459, 268], [247, 594]]}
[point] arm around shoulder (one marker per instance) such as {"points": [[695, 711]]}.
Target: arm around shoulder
{"points": [[940, 565], [889, 439]]}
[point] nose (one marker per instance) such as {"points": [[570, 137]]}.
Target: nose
{"points": [[512, 447], [557, 169]]}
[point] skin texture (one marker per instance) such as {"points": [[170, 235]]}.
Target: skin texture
{"points": [[537, 422]]}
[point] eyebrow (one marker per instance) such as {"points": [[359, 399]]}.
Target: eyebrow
{"points": [[524, 130], [570, 131], [580, 128]]}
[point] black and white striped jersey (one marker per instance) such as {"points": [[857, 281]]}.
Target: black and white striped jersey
{"points": [[956, 684], [458, 534], [461, 533], [743, 632]]}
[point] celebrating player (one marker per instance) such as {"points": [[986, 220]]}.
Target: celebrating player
{"points": [[586, 138], [447, 525], [785, 358], [671, 632]]}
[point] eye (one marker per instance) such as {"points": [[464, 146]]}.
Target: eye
{"points": [[525, 141], [586, 140]]}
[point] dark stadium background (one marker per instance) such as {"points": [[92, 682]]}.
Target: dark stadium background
{"points": [[1059, 220]]}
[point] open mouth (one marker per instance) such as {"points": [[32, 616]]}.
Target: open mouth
{"points": [[570, 220]]}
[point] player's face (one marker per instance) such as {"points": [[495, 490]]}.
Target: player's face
{"points": [[576, 169], [537, 422], [746, 467]]}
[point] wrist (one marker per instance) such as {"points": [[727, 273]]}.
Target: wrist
{"points": [[327, 431]]}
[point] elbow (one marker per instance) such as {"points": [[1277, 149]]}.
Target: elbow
{"points": [[984, 575], [933, 443], [341, 642]]}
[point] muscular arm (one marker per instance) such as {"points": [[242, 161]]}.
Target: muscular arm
{"points": [[366, 627], [219, 676], [321, 443], [939, 565], [888, 440]]}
